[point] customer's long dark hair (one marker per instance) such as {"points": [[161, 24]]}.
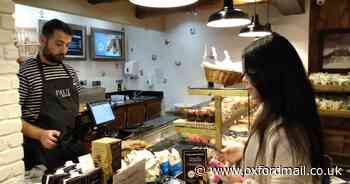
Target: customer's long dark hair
{"points": [[275, 69]]}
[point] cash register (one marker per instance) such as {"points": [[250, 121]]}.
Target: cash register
{"points": [[101, 114]]}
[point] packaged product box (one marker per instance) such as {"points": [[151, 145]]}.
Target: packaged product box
{"points": [[106, 153], [135, 173]]}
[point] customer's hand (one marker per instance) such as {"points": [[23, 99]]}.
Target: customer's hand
{"points": [[48, 138], [232, 179], [233, 152]]}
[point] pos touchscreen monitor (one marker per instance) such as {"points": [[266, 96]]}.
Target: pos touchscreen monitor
{"points": [[101, 112]]}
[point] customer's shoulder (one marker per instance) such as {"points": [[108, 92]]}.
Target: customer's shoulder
{"points": [[276, 132]]}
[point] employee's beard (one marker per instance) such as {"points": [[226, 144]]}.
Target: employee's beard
{"points": [[52, 59]]}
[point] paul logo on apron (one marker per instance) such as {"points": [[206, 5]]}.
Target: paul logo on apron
{"points": [[63, 93], [58, 110]]}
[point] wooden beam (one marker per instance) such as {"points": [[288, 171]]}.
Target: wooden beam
{"points": [[290, 7]]}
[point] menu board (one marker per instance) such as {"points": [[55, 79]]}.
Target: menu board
{"points": [[77, 47]]}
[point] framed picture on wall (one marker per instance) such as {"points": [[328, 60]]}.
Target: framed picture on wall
{"points": [[77, 48], [335, 50], [107, 45]]}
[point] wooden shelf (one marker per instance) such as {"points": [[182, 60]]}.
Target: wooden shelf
{"points": [[192, 124], [223, 92], [337, 132], [187, 131], [340, 159], [331, 89], [337, 114]]}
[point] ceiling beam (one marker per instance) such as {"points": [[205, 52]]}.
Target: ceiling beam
{"points": [[289, 7]]}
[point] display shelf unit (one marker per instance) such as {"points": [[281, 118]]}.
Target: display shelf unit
{"points": [[219, 94], [336, 114], [337, 140]]}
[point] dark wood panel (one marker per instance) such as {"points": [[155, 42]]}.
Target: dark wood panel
{"points": [[153, 109], [120, 115], [334, 14], [136, 114]]}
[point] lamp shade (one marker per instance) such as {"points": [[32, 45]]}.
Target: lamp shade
{"points": [[255, 29], [228, 17], [163, 3]]}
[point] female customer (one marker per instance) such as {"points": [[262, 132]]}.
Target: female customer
{"points": [[287, 130]]}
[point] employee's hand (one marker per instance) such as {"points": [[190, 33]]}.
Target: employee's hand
{"points": [[233, 152], [48, 138]]}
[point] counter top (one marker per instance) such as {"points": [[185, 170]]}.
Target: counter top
{"points": [[83, 106], [134, 101]]}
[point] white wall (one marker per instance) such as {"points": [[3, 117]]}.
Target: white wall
{"points": [[107, 72], [189, 48], [143, 43]]}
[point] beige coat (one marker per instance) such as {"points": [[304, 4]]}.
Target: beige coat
{"points": [[278, 153]]}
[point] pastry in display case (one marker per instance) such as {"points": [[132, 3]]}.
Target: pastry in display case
{"points": [[221, 122], [232, 108], [333, 103], [333, 83], [328, 79]]}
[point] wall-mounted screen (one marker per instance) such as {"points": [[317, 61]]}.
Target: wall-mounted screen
{"points": [[107, 44], [77, 48]]}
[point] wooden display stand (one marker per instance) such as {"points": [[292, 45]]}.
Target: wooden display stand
{"points": [[218, 94], [331, 89]]}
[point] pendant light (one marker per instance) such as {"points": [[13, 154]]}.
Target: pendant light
{"points": [[268, 25], [163, 3], [228, 17], [255, 29]]}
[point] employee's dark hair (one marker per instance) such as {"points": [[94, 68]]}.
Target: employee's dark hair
{"points": [[275, 69], [55, 25]]}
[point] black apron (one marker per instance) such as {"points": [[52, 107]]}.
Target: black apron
{"points": [[58, 111]]}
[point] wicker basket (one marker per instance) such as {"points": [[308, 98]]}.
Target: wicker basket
{"points": [[227, 78]]}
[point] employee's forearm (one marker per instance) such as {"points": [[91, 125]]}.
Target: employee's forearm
{"points": [[31, 131]]}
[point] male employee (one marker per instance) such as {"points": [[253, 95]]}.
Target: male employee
{"points": [[49, 98]]}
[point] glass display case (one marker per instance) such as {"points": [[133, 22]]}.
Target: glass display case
{"points": [[226, 116]]}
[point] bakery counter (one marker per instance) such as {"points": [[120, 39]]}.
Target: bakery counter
{"points": [[132, 112], [134, 101], [137, 100], [152, 132]]}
